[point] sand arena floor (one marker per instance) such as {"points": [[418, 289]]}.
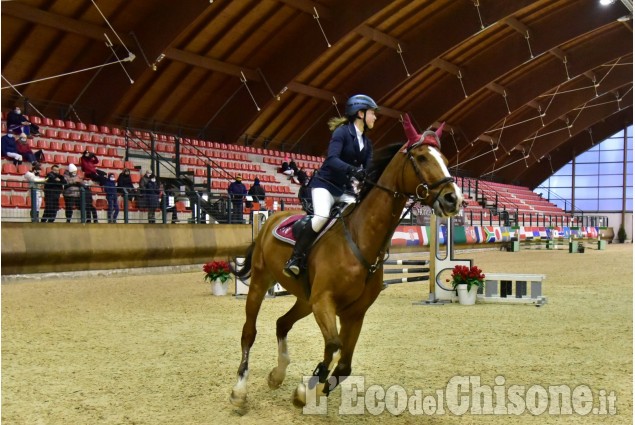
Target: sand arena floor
{"points": [[159, 349]]}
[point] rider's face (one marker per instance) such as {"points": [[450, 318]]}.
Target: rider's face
{"points": [[370, 118]]}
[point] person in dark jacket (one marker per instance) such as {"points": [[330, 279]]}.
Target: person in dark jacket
{"points": [[125, 185], [52, 191], [237, 192], [349, 155], [15, 118], [10, 145], [151, 194], [89, 205], [110, 187], [257, 193]]}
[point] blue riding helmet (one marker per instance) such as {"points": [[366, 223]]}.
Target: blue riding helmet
{"points": [[359, 102]]}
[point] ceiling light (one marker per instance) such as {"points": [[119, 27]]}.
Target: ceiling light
{"points": [[606, 2]]}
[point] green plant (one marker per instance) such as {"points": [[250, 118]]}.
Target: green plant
{"points": [[621, 234], [467, 275], [216, 270]]}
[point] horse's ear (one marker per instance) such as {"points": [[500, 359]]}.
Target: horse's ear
{"points": [[411, 134], [439, 130]]}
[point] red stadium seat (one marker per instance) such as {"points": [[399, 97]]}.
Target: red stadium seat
{"points": [[6, 201], [101, 151], [9, 168], [70, 124], [82, 126], [18, 201], [93, 128], [58, 123]]}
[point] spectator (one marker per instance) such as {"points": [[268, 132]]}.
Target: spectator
{"points": [[169, 198], [88, 163], [10, 145], [25, 150], [304, 194], [52, 191], [257, 193], [286, 168], [15, 118], [143, 183], [150, 194], [35, 185], [89, 206], [72, 190], [110, 186], [237, 192], [302, 176], [125, 185]]}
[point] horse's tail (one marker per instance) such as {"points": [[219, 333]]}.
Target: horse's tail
{"points": [[245, 269]]}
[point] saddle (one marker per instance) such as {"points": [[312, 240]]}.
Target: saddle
{"points": [[290, 227]]}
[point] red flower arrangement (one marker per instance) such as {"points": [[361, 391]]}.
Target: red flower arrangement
{"points": [[467, 275], [216, 270]]}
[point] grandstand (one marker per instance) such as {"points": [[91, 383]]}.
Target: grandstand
{"points": [[201, 161]]}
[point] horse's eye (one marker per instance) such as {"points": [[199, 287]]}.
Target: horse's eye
{"points": [[421, 158]]}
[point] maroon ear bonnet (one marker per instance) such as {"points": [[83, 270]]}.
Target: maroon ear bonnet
{"points": [[429, 138]]}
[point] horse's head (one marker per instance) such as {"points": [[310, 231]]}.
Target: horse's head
{"points": [[426, 172]]}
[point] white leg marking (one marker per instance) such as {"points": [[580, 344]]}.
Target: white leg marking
{"points": [[277, 375], [239, 392]]}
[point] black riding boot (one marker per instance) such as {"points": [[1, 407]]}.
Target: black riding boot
{"points": [[294, 266]]}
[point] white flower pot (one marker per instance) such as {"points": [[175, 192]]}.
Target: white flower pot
{"points": [[219, 288], [466, 297]]}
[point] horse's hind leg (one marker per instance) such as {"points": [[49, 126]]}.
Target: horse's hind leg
{"points": [[300, 310], [254, 300]]}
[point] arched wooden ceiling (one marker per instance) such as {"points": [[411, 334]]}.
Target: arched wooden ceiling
{"points": [[522, 85]]}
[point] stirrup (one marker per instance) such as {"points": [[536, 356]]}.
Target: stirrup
{"points": [[292, 268]]}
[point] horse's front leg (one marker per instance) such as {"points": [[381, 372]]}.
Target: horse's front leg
{"points": [[324, 312], [300, 310]]}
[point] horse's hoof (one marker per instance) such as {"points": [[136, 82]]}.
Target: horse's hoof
{"points": [[237, 400], [299, 396], [274, 383]]}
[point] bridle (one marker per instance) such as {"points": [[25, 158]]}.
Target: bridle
{"points": [[417, 196], [423, 189]]}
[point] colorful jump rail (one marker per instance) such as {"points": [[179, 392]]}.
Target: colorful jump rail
{"points": [[420, 235]]}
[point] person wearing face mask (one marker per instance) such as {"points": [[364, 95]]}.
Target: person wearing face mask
{"points": [[25, 150], [151, 197], [10, 145], [35, 184], [143, 183], [110, 186], [15, 118], [91, 211], [72, 191], [52, 191], [88, 163], [125, 185]]}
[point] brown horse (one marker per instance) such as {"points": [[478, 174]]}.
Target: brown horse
{"points": [[344, 268]]}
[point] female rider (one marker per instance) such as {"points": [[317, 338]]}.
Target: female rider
{"points": [[349, 155]]}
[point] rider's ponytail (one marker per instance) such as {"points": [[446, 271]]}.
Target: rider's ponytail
{"points": [[336, 122]]}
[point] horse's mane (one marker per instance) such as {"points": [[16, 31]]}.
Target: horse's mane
{"points": [[381, 158]]}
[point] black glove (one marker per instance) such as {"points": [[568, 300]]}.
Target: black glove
{"points": [[358, 173]]}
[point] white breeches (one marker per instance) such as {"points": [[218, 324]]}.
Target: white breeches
{"points": [[323, 201]]}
